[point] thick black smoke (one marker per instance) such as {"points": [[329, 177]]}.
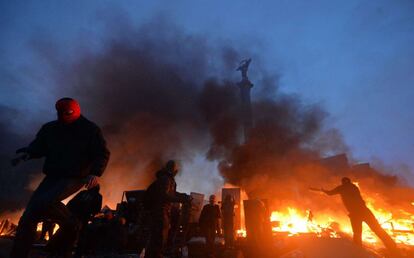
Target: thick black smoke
{"points": [[15, 181], [155, 98], [159, 93]]}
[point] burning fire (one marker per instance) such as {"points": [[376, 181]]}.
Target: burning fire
{"points": [[290, 221], [39, 229], [241, 233], [293, 221]]}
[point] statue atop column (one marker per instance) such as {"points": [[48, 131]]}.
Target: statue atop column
{"points": [[243, 67], [245, 86]]}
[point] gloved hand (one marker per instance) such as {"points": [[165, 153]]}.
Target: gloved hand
{"points": [[23, 157], [21, 150]]}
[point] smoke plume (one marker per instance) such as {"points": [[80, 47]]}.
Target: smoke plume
{"points": [[159, 93], [14, 190]]}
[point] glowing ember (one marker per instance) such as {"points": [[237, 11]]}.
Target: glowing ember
{"points": [[241, 233], [39, 229]]}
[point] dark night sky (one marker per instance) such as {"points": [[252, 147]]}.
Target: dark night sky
{"points": [[355, 58]]}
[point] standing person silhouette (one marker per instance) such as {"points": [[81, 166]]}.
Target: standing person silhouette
{"points": [[210, 223], [159, 198], [359, 212]]}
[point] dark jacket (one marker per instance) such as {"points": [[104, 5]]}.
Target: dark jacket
{"points": [[71, 150], [209, 217], [162, 192], [351, 197]]}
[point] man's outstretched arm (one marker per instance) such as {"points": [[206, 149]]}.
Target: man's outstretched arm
{"points": [[36, 149], [336, 190]]}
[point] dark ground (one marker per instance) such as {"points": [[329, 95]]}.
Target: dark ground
{"points": [[299, 247]]}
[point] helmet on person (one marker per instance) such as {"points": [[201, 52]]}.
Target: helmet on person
{"points": [[172, 167], [68, 110]]}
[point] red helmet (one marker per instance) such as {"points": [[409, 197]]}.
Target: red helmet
{"points": [[68, 110]]}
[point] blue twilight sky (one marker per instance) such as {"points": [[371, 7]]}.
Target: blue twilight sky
{"points": [[355, 58]]}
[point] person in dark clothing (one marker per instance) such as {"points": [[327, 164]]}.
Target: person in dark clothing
{"points": [[86, 204], [120, 230], [227, 211], [75, 155], [111, 235], [159, 197], [359, 212], [175, 216], [83, 207], [210, 223], [94, 239]]}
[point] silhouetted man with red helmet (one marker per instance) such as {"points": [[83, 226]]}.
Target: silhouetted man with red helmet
{"points": [[359, 212], [75, 155]]}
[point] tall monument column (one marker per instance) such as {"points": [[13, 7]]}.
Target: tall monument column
{"points": [[246, 108]]}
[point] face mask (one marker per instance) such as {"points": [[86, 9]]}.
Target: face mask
{"points": [[68, 110]]}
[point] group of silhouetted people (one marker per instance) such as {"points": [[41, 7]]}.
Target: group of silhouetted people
{"points": [[76, 155]]}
